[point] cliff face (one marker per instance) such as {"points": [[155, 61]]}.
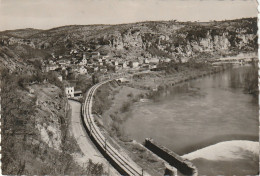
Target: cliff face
{"points": [[186, 44], [35, 136], [175, 40], [167, 39]]}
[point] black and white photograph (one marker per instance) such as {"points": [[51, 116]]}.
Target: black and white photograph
{"points": [[129, 87]]}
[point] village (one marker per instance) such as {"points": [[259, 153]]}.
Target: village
{"points": [[90, 63]]}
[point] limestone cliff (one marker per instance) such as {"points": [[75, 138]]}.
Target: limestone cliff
{"points": [[163, 38]]}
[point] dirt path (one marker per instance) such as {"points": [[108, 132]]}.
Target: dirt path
{"points": [[87, 147]]}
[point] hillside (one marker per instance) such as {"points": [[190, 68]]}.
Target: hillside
{"points": [[34, 106], [170, 39]]}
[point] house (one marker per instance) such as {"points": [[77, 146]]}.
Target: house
{"points": [[63, 62], [60, 77], [83, 70], [63, 67], [103, 69], [95, 69], [146, 61], [154, 61], [95, 54], [78, 94], [167, 60], [134, 64], [105, 57], [31, 90], [184, 60], [122, 80], [69, 92], [53, 55], [115, 63], [84, 56], [51, 68], [83, 61], [123, 64], [153, 66]]}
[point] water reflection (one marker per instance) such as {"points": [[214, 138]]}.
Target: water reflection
{"points": [[198, 113]]}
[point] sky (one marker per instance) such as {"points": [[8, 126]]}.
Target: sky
{"points": [[46, 14]]}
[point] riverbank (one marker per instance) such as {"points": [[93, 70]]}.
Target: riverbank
{"points": [[113, 102], [119, 98], [125, 101]]}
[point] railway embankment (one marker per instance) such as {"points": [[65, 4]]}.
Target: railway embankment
{"points": [[122, 163]]}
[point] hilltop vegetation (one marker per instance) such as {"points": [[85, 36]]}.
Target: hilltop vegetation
{"points": [[169, 39]]}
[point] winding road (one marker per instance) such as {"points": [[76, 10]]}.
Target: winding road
{"points": [[88, 149]]}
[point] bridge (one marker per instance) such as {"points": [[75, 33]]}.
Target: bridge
{"points": [[122, 163]]}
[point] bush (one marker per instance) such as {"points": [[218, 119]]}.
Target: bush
{"points": [[130, 95], [125, 107], [94, 168]]}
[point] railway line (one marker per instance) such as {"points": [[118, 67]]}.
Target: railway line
{"points": [[124, 165]]}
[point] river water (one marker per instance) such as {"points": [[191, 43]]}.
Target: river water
{"points": [[197, 114]]}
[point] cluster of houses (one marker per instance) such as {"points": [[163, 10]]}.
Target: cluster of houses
{"points": [[87, 63], [98, 63], [19, 41]]}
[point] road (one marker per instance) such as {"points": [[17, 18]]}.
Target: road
{"points": [[88, 149]]}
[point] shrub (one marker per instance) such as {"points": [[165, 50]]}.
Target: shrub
{"points": [[125, 107], [94, 168], [130, 95]]}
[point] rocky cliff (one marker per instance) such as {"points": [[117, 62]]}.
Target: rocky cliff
{"points": [[164, 38]]}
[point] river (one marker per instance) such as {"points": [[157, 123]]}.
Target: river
{"points": [[197, 114]]}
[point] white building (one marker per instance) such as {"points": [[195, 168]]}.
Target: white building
{"points": [[69, 91], [167, 60], [51, 67], [154, 60], [146, 61], [95, 69], [83, 70], [134, 64], [84, 56], [123, 64], [115, 63], [83, 61], [78, 94], [60, 77]]}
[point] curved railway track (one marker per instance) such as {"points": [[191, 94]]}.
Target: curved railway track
{"points": [[126, 167]]}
